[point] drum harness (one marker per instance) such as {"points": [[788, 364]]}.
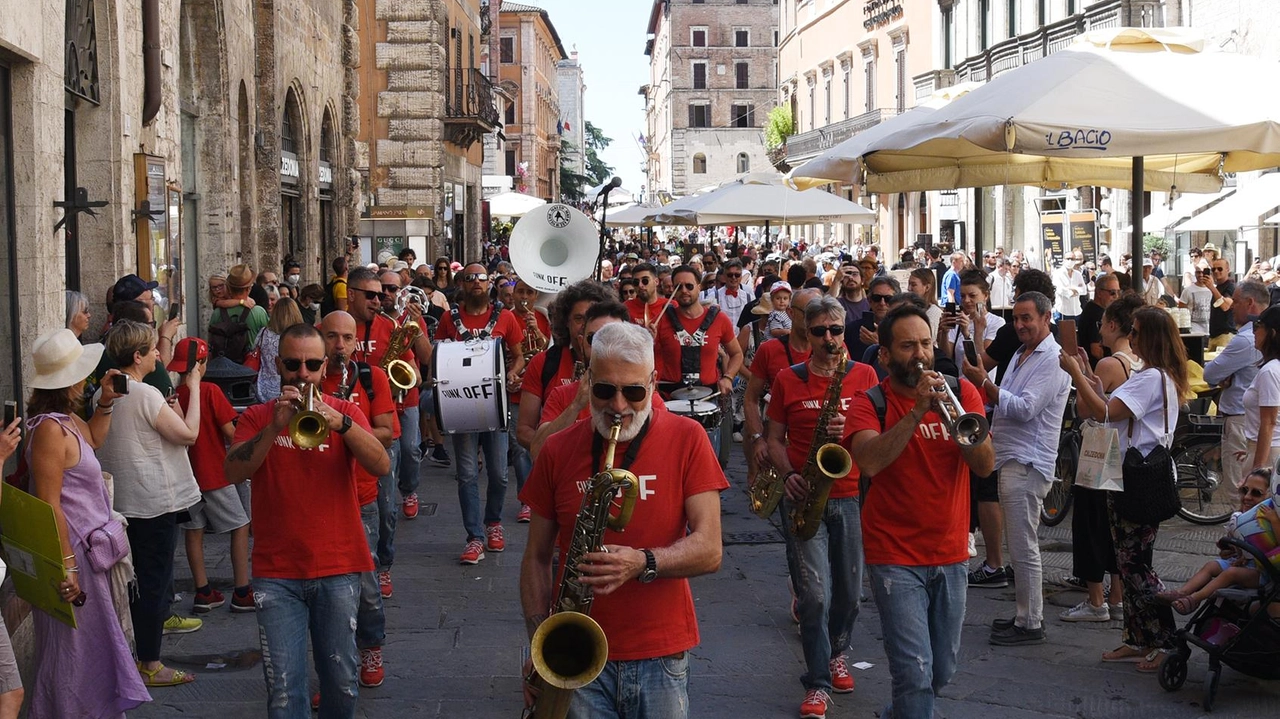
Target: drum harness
{"points": [[691, 344]]}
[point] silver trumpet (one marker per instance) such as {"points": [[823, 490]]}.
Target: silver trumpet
{"points": [[966, 428]]}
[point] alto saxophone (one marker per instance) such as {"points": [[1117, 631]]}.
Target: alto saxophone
{"points": [[827, 460], [403, 376], [569, 649]]}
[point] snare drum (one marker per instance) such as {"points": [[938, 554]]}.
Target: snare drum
{"points": [[471, 386], [703, 412]]}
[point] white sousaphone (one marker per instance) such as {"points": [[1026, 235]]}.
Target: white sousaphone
{"points": [[554, 246]]}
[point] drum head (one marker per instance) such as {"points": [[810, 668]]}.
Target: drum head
{"points": [[694, 408], [471, 392], [695, 392]]}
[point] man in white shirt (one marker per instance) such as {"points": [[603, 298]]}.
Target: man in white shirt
{"points": [[1071, 287], [1002, 284], [1199, 301], [1152, 287]]}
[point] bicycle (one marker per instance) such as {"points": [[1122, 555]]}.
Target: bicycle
{"points": [[1207, 496], [1057, 503]]}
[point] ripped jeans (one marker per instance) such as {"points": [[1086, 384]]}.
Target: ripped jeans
{"points": [[921, 614], [290, 610]]}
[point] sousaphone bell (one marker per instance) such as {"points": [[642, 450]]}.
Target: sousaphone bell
{"points": [[553, 246]]}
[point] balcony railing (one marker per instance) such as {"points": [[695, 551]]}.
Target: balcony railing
{"points": [[469, 110], [805, 145], [1032, 46]]}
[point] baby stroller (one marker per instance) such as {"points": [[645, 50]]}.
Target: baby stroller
{"points": [[1234, 628]]}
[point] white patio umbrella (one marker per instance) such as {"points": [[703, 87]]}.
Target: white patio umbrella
{"points": [[513, 204], [759, 198], [631, 216]]}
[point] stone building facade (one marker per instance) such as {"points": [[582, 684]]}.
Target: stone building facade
{"points": [[573, 126], [426, 105], [241, 108], [529, 49], [844, 67], [712, 82]]}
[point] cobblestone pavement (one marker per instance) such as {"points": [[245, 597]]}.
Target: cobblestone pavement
{"points": [[455, 636]]}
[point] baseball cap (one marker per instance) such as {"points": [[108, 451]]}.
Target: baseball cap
{"points": [[780, 286], [187, 353], [1148, 263], [130, 286]]}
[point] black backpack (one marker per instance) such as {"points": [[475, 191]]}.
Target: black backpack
{"points": [[880, 404], [330, 303], [229, 335]]}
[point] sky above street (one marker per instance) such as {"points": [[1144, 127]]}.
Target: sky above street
{"points": [[609, 38]]}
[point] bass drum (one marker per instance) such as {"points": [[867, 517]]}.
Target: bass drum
{"points": [[471, 386]]}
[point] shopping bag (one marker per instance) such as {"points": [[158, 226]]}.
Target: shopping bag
{"points": [[1100, 466]]}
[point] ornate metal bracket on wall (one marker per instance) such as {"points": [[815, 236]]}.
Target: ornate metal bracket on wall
{"points": [[79, 203], [80, 76]]}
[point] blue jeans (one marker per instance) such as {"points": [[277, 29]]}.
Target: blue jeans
{"points": [[638, 689], [290, 610], [371, 620], [520, 459], [826, 572], [387, 512], [410, 455], [465, 449], [921, 614]]}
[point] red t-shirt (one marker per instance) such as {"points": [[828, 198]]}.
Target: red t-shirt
{"points": [[719, 334], [636, 307], [210, 449], [367, 484], [533, 374], [916, 512], [771, 358], [560, 398], [676, 462], [508, 328], [544, 324], [797, 405], [327, 538], [372, 340]]}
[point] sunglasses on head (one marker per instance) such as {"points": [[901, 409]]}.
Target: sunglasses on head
{"points": [[824, 330], [880, 298], [475, 277], [1252, 492], [293, 364], [371, 294], [632, 392]]}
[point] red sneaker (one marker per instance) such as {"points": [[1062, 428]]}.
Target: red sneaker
{"points": [[371, 673], [814, 705], [473, 553], [243, 604], [207, 602], [841, 679], [410, 506], [493, 539], [315, 702], [384, 583], [524, 514]]}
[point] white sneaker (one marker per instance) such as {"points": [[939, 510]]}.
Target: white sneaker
{"points": [[973, 546], [1086, 612], [737, 437]]}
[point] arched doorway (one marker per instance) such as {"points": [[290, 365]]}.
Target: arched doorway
{"points": [[293, 235]]}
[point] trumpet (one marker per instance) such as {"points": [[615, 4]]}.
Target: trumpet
{"points": [[308, 429], [966, 428]]}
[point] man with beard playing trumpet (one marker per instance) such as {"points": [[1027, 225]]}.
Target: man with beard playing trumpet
{"points": [[830, 562], [642, 598], [306, 564], [915, 510]]}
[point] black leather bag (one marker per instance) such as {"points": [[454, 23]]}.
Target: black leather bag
{"points": [[1150, 493]]}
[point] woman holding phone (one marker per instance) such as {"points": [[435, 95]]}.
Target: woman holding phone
{"points": [[923, 283], [87, 671], [147, 454]]}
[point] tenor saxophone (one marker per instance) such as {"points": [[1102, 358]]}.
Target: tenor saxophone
{"points": [[827, 460], [569, 649], [403, 376]]}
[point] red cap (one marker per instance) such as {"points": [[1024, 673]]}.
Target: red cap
{"points": [[186, 353]]}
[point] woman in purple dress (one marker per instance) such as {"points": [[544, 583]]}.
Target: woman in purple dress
{"points": [[89, 671]]}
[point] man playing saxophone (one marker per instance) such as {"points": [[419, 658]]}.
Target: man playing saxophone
{"points": [[915, 506], [642, 599], [805, 412]]}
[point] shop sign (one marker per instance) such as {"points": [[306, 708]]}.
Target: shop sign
{"points": [[326, 175], [290, 172]]}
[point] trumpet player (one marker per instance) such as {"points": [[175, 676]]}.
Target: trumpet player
{"points": [[477, 317], [306, 564], [642, 599], [915, 510], [537, 335], [368, 387], [1028, 404], [826, 571]]}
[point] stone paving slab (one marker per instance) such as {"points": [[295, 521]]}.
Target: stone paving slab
{"points": [[455, 637]]}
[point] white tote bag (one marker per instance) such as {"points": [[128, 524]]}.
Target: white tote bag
{"points": [[1100, 460]]}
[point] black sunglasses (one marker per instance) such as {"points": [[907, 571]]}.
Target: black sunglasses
{"points": [[371, 294], [293, 365], [475, 277], [824, 330], [390, 289], [880, 298], [632, 392], [734, 275], [686, 286], [643, 280]]}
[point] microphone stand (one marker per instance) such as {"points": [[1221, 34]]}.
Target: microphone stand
{"points": [[613, 184]]}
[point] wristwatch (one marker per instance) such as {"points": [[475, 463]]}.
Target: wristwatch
{"points": [[346, 424], [650, 571], [755, 435]]}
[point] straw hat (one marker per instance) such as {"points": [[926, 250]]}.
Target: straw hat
{"points": [[764, 306], [61, 361]]}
